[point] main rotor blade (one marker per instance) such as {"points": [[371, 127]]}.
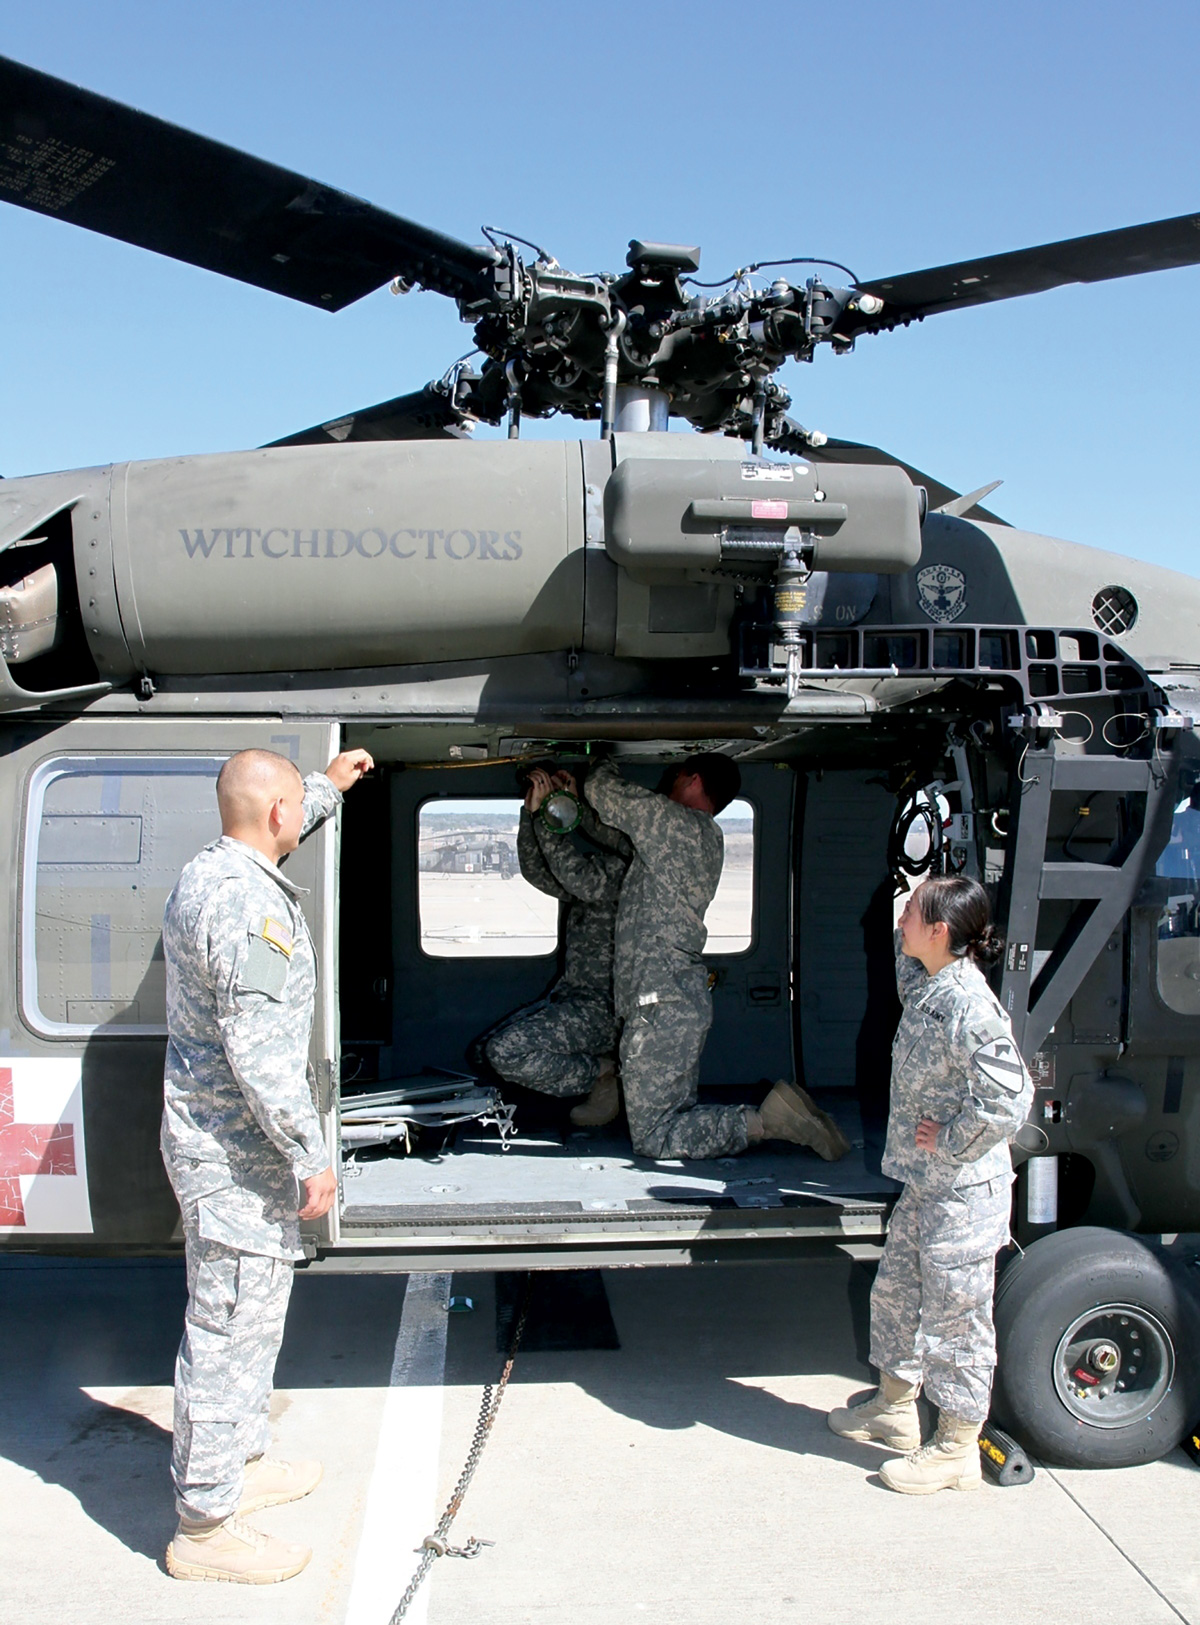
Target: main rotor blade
{"points": [[1159, 246], [853, 451], [76, 156], [426, 414]]}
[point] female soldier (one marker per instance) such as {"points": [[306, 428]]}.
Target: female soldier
{"points": [[960, 1091]]}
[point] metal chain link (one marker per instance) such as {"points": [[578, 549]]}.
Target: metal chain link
{"points": [[436, 1545]]}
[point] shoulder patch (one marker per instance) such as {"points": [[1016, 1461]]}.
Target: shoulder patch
{"points": [[277, 935], [1000, 1063], [263, 968]]}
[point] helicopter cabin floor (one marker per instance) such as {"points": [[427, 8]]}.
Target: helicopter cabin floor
{"points": [[547, 1171]]}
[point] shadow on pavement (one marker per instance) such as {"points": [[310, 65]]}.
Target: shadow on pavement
{"points": [[680, 1363], [68, 1325], [115, 1463]]}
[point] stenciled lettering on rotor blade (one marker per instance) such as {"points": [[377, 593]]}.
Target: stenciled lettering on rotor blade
{"points": [[322, 542]]}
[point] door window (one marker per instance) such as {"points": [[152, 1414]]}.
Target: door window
{"points": [[106, 838], [474, 903], [730, 915], [472, 900]]}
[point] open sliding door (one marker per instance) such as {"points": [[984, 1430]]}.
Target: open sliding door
{"points": [[100, 815]]}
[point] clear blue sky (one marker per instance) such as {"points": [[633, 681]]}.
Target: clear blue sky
{"points": [[888, 136]]}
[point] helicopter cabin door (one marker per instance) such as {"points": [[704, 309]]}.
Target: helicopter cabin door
{"points": [[100, 815]]}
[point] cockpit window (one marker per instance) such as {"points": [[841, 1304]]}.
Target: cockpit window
{"points": [[1178, 970]]}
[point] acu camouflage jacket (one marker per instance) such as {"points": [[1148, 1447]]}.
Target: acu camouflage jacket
{"points": [[239, 1125], [677, 857], [590, 884], [954, 1060]]}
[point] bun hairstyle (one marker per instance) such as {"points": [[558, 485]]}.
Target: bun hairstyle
{"points": [[962, 906]]}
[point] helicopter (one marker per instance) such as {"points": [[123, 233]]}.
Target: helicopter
{"points": [[908, 685]]}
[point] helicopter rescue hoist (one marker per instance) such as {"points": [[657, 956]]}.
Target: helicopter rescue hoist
{"points": [[907, 684]]}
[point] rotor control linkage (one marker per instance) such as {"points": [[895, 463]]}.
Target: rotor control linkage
{"points": [[612, 357]]}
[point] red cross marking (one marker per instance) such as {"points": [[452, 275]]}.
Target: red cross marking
{"points": [[28, 1148]]}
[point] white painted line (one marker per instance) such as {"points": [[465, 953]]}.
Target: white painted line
{"points": [[402, 1500]]}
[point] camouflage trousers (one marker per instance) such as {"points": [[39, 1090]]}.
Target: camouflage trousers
{"points": [[555, 1046], [232, 1331], [931, 1305], [660, 1069]]}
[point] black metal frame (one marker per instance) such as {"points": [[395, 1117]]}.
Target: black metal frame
{"points": [[1040, 660], [1103, 892]]}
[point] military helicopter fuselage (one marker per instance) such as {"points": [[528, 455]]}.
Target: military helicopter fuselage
{"points": [[908, 685]]}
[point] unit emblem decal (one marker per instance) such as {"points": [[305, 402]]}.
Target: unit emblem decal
{"points": [[773, 471], [43, 1172], [942, 592]]}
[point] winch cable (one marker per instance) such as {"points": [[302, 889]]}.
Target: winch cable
{"points": [[436, 1545]]}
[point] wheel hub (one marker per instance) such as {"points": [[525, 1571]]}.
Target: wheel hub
{"points": [[1114, 1364]]}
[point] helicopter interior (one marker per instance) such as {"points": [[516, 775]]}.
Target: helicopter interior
{"points": [[441, 939]]}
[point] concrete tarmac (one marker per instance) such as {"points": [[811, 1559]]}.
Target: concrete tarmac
{"points": [[686, 1476]]}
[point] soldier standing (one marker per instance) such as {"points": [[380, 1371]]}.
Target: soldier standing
{"points": [[661, 982], [566, 1043], [239, 1130], [960, 1091]]}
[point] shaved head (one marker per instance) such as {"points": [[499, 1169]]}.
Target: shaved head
{"points": [[250, 783]]}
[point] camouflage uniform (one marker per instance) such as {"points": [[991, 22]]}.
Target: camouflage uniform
{"points": [[954, 1061], [660, 982], [555, 1045], [239, 1129]]}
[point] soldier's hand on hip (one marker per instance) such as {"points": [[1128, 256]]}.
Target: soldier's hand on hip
{"points": [[319, 1193], [927, 1134], [348, 767]]}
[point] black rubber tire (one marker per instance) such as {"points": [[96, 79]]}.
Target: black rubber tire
{"points": [[1038, 1297]]}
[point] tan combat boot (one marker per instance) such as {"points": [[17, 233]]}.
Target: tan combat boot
{"points": [[789, 1113], [889, 1417], [227, 1549], [950, 1461], [272, 1483], [604, 1102]]}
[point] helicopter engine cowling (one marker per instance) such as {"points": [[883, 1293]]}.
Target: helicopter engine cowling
{"points": [[330, 558], [386, 554]]}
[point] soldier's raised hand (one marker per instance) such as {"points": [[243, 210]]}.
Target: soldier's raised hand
{"points": [[540, 786], [348, 767], [564, 780]]}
